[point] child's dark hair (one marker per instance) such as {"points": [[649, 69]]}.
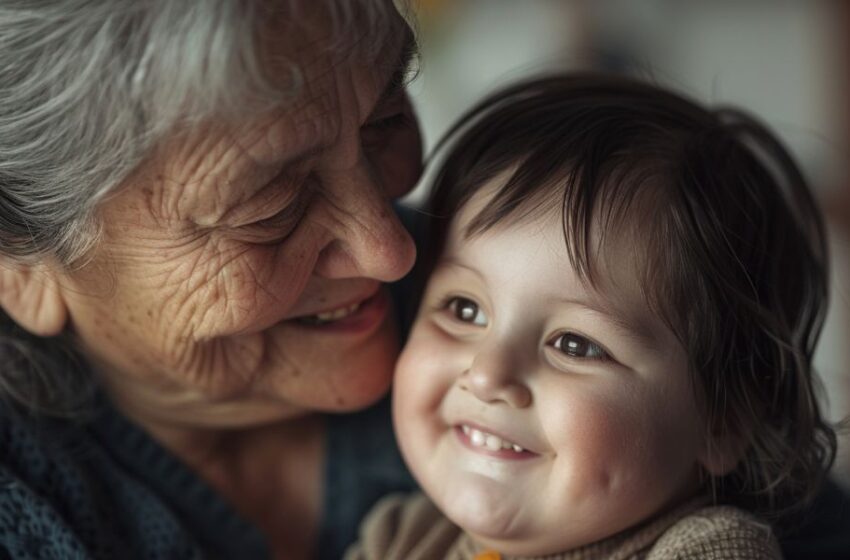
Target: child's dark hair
{"points": [[731, 244]]}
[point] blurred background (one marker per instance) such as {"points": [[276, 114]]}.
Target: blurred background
{"points": [[786, 61]]}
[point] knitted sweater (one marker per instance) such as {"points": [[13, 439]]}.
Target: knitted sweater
{"points": [[103, 489], [412, 528]]}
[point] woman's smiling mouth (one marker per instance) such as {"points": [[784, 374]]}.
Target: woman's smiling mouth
{"points": [[331, 316], [364, 315]]}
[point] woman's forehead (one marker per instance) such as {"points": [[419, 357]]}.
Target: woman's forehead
{"points": [[317, 30], [214, 167]]}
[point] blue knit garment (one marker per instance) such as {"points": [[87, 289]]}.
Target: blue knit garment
{"points": [[104, 490]]}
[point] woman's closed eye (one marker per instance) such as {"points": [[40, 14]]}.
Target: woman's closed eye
{"points": [[577, 346], [377, 133], [282, 224], [395, 116], [466, 310], [397, 120], [283, 221]]}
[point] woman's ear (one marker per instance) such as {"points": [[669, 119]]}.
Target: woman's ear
{"points": [[30, 295], [722, 452]]}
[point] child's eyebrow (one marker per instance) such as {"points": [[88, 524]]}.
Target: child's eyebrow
{"points": [[451, 262], [638, 331]]}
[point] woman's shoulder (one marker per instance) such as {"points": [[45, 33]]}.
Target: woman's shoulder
{"points": [[30, 526], [363, 464], [66, 492], [717, 532], [41, 490]]}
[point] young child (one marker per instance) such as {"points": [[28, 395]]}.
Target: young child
{"points": [[612, 357]]}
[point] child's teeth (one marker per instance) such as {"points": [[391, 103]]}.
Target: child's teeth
{"points": [[477, 438], [491, 442]]}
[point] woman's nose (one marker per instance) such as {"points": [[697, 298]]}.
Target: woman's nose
{"points": [[368, 240], [493, 378]]}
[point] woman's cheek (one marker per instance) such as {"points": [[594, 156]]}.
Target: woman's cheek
{"points": [[399, 161], [247, 289]]}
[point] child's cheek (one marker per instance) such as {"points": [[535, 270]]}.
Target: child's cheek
{"points": [[616, 447], [424, 375], [425, 370], [589, 436]]}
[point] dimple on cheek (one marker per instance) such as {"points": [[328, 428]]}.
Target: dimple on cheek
{"points": [[596, 443], [627, 453]]}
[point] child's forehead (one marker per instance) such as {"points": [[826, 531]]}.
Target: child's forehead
{"points": [[614, 256], [615, 242], [539, 209]]}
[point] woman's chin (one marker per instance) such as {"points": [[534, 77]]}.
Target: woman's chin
{"points": [[355, 387], [357, 396], [335, 377]]}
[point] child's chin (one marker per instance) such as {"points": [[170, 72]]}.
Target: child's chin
{"points": [[483, 514], [495, 518]]}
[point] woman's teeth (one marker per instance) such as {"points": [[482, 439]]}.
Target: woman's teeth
{"points": [[331, 316], [491, 442]]}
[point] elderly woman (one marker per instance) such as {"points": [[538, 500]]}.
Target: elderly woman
{"points": [[195, 225]]}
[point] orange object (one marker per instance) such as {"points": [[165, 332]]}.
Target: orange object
{"points": [[488, 555]]}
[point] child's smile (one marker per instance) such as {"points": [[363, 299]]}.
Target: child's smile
{"points": [[482, 441], [538, 413]]}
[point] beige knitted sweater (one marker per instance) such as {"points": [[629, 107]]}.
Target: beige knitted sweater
{"points": [[411, 528]]}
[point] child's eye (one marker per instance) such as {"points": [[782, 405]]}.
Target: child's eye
{"points": [[577, 346], [467, 311]]}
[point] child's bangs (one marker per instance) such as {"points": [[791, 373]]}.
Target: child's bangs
{"points": [[610, 206]]}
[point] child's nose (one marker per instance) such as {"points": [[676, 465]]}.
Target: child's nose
{"points": [[493, 379]]}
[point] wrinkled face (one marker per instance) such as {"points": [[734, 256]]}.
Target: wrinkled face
{"points": [[541, 414], [240, 274]]}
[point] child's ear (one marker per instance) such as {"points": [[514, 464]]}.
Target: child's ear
{"points": [[30, 295], [721, 453]]}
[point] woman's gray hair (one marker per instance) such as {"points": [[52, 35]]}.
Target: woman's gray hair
{"points": [[88, 88]]}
